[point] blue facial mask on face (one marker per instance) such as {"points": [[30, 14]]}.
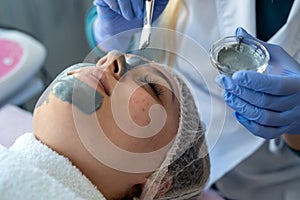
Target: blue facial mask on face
{"points": [[70, 89], [135, 61], [85, 98]]}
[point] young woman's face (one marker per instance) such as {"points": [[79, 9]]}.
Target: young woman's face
{"points": [[139, 111], [133, 104]]}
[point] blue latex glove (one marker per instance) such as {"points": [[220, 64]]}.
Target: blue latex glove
{"points": [[268, 105], [115, 16]]}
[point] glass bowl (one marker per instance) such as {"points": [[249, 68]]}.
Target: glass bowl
{"points": [[231, 54]]}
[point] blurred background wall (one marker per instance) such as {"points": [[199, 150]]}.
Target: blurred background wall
{"points": [[58, 24]]}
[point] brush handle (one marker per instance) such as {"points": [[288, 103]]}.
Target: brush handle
{"points": [[149, 7]]}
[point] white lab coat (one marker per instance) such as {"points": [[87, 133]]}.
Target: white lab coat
{"points": [[202, 22]]}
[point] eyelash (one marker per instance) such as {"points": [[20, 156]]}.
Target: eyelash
{"points": [[152, 84]]}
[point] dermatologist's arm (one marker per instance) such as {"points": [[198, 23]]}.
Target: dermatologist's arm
{"points": [[210, 195], [293, 141], [268, 105]]}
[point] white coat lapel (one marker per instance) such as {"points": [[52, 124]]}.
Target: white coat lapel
{"points": [[234, 13]]}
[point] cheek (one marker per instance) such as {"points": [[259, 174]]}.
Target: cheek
{"points": [[139, 106]]}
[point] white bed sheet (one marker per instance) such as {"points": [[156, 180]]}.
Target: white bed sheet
{"points": [[14, 122]]}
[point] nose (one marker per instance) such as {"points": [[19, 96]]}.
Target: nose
{"points": [[114, 63]]}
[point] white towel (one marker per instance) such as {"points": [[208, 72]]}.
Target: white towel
{"points": [[31, 170]]}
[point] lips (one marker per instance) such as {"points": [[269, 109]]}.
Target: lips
{"points": [[103, 83], [96, 78]]}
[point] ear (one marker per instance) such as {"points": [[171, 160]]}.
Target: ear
{"points": [[163, 187]]}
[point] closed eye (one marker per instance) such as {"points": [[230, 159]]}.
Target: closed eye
{"points": [[156, 89], [153, 85]]}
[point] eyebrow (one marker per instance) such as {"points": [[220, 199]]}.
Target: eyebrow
{"points": [[159, 73]]}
